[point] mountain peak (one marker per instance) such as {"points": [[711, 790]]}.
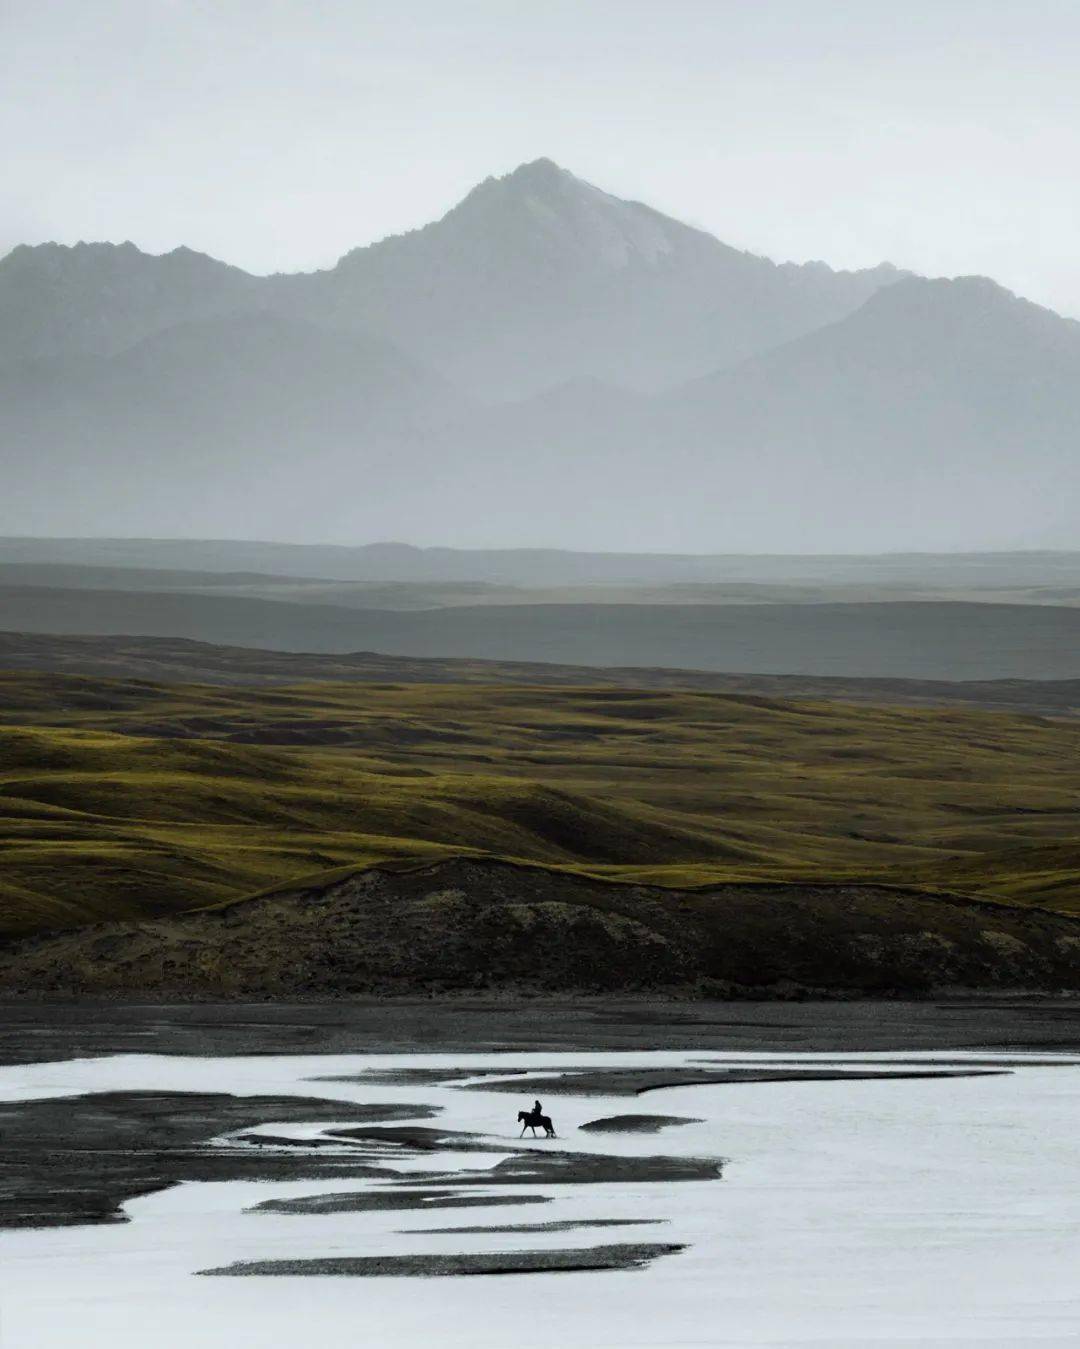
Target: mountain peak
{"points": [[540, 171], [550, 210], [541, 178]]}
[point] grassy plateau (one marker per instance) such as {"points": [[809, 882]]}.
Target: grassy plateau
{"points": [[124, 799]]}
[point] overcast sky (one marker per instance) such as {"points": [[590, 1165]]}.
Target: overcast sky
{"points": [[943, 135]]}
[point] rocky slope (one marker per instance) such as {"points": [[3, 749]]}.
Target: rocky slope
{"points": [[471, 925]]}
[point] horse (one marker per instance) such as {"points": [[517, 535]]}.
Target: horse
{"points": [[530, 1121]]}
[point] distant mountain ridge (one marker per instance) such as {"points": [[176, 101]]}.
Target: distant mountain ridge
{"points": [[532, 279], [538, 277], [546, 364], [96, 299]]}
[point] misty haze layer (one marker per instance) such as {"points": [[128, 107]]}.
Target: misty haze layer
{"points": [[548, 365]]}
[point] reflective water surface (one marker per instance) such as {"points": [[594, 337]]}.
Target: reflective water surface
{"points": [[857, 1211]]}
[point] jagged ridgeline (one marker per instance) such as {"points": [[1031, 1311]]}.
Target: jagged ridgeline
{"points": [[544, 345]]}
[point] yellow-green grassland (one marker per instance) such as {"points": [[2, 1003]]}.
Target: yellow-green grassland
{"points": [[123, 799]]}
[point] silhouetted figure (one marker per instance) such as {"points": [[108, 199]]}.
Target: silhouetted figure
{"points": [[533, 1119]]}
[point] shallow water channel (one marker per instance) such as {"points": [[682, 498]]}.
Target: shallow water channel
{"points": [[848, 1200]]}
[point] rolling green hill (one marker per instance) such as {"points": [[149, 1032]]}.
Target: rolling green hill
{"points": [[127, 799]]}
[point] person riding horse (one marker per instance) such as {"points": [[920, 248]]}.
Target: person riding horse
{"points": [[536, 1119]]}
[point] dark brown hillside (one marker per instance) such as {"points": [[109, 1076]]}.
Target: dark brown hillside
{"points": [[468, 925]]}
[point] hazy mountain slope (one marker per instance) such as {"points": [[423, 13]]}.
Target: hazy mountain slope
{"points": [[227, 419], [537, 277], [940, 414], [929, 414], [97, 299], [942, 374], [897, 640], [939, 407], [534, 278]]}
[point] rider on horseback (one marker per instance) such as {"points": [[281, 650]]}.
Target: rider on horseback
{"points": [[535, 1119]]}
